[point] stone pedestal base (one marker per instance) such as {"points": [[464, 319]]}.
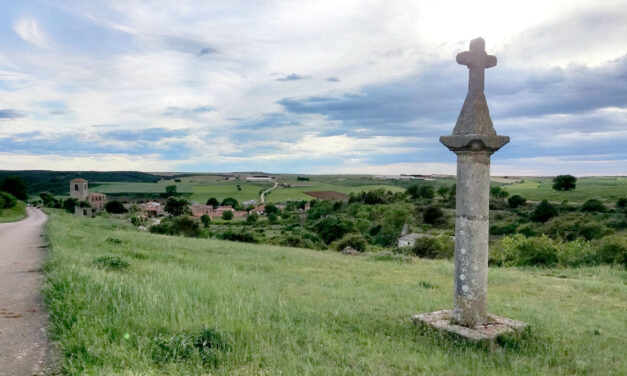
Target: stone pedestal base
{"points": [[495, 327]]}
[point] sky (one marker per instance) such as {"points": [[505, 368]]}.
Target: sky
{"points": [[314, 87]]}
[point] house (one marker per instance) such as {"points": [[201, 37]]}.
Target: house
{"points": [[407, 239], [152, 209], [250, 203], [200, 210], [263, 178]]}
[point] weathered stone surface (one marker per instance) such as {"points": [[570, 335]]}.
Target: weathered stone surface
{"points": [[489, 330], [350, 251]]}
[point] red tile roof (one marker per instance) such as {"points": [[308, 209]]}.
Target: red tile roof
{"points": [[79, 180]]}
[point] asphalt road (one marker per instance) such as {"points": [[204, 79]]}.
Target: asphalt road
{"points": [[24, 346]]}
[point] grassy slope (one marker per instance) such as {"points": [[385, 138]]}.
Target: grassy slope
{"points": [[607, 188], [302, 312], [17, 213]]}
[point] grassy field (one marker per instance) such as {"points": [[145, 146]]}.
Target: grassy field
{"points": [[16, 213], [202, 187], [605, 188], [285, 311]]}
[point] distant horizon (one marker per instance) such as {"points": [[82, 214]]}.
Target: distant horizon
{"points": [[165, 173]]}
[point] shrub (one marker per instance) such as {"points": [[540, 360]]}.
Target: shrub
{"points": [[543, 212], [421, 191], [522, 251], [516, 201], [115, 207], [621, 203], [111, 263], [564, 182], [613, 250], [433, 247], [186, 226], [355, 241], [229, 201], [227, 215], [137, 221], [237, 236], [505, 229], [273, 218], [205, 219], [114, 241], [433, 215], [252, 217], [333, 228], [593, 205], [207, 344], [7, 200]]}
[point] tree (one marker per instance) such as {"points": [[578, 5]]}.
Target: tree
{"points": [[271, 209], [273, 218], [49, 200], [433, 215], [621, 202], [177, 207], [227, 215], [564, 182], [7, 200], [15, 186], [252, 217], [213, 202], [593, 205], [332, 228], [420, 191], [170, 191], [69, 204], [516, 201], [443, 192], [239, 187], [115, 207], [205, 219], [229, 201], [498, 192], [543, 212]]}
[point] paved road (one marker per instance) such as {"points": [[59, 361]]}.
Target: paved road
{"points": [[24, 348], [263, 194]]}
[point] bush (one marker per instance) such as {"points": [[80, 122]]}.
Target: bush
{"points": [[612, 250], [333, 228], [621, 203], [433, 215], [205, 219], [227, 215], [115, 207], [69, 204], [522, 251], [237, 236], [505, 229], [438, 247], [166, 348], [564, 182], [543, 212], [593, 205], [229, 201], [111, 263], [185, 226], [421, 191], [252, 218], [7, 200], [516, 201], [355, 241], [273, 218]]}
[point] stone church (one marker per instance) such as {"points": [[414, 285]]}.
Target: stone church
{"points": [[80, 191]]}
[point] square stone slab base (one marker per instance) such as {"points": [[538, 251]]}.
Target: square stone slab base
{"points": [[488, 332]]}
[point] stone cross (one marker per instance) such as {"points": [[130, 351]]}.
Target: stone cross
{"points": [[473, 140]]}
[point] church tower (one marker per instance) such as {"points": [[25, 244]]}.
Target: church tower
{"points": [[78, 189]]}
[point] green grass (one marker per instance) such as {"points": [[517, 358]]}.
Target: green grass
{"points": [[284, 311], [202, 187], [16, 213], [605, 188]]}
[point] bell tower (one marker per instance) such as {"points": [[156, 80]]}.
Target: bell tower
{"points": [[78, 189]]}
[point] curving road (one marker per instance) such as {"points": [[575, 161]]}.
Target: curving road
{"points": [[263, 194], [24, 347]]}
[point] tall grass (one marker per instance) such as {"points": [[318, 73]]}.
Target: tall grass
{"points": [[14, 214], [210, 307]]}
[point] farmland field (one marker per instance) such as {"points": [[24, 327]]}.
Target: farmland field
{"points": [[605, 188], [202, 187], [267, 310]]}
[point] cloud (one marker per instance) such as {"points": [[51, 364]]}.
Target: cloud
{"points": [[149, 134], [28, 29], [188, 112], [292, 77], [206, 51], [332, 79], [9, 114]]}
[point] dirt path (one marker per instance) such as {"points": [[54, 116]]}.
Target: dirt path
{"points": [[263, 194], [24, 348]]}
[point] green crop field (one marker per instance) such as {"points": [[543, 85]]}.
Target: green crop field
{"points": [[202, 187], [604, 188], [16, 213], [178, 306]]}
